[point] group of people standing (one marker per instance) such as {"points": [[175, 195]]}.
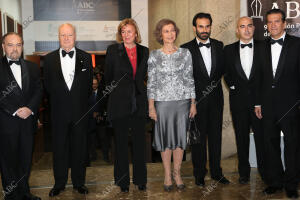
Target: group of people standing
{"points": [[264, 86], [170, 85]]}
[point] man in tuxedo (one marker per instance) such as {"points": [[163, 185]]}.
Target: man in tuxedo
{"points": [[68, 76], [279, 98], [21, 94], [93, 117], [208, 61], [243, 63]]}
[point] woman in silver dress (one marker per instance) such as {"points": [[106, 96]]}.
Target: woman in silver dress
{"points": [[171, 96]]}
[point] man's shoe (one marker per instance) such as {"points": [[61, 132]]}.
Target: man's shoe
{"points": [[124, 189], [272, 190], [291, 193], [244, 180], [222, 180], [142, 187], [81, 189], [55, 191], [200, 182], [30, 197]]}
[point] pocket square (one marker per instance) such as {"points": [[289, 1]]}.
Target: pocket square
{"points": [[232, 87], [83, 70]]}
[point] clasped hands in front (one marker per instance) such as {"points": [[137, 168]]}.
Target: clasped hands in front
{"points": [[23, 112]]}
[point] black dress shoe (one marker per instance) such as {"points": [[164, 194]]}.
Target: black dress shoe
{"points": [[124, 189], [291, 193], [81, 189], [200, 182], [244, 180], [55, 191], [222, 180], [142, 187], [30, 197], [272, 190]]}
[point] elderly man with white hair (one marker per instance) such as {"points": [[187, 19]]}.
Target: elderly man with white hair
{"points": [[68, 79]]}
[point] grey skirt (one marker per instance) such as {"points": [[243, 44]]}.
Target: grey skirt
{"points": [[171, 125]]}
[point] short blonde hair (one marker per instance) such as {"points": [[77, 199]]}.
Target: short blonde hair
{"points": [[124, 23]]}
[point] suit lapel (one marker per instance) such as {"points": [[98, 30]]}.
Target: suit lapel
{"points": [[24, 75], [58, 68], [201, 61], [282, 57], [78, 67], [125, 58], [238, 64], [255, 60], [213, 58], [11, 78], [269, 56], [139, 57]]}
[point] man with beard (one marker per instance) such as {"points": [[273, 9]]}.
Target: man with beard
{"points": [[207, 55], [21, 94]]}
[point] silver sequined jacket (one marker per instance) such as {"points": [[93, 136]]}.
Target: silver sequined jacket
{"points": [[170, 76]]}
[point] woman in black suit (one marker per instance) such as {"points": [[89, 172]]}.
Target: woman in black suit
{"points": [[125, 72]]}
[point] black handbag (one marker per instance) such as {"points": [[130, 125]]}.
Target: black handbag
{"points": [[193, 134]]}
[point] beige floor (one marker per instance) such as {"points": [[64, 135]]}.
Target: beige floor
{"points": [[100, 183]]}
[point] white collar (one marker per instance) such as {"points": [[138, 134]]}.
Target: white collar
{"points": [[198, 41], [73, 49], [8, 59], [283, 36], [251, 41]]}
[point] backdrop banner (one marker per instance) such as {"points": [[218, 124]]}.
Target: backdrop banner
{"points": [[95, 21], [257, 9]]}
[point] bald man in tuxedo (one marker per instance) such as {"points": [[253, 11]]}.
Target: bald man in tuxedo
{"points": [[243, 61], [68, 76]]}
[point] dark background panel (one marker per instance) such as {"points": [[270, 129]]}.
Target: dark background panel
{"points": [[81, 10]]}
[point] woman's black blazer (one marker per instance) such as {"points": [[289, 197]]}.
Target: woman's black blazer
{"points": [[126, 95]]}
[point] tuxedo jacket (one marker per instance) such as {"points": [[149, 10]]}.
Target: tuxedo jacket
{"points": [[128, 95], [280, 95], [13, 97], [68, 105], [208, 88], [243, 94], [94, 106]]}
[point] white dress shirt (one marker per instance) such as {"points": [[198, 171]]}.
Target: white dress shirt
{"points": [[206, 55], [246, 56], [275, 52], [16, 70], [68, 67]]}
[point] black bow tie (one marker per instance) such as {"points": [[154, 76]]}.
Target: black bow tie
{"points": [[17, 62], [202, 44], [64, 53], [246, 45], [280, 41]]}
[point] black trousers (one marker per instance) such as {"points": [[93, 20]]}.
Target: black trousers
{"points": [[69, 149], [105, 134], [275, 175], [209, 122], [121, 165], [242, 121], [16, 146]]}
